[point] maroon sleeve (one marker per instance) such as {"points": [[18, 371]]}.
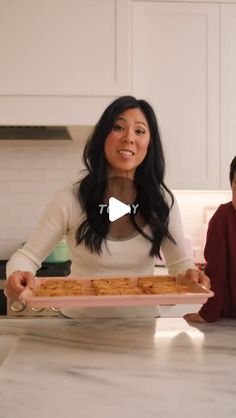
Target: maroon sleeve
{"points": [[216, 268]]}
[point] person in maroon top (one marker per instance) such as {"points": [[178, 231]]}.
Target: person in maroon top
{"points": [[220, 256]]}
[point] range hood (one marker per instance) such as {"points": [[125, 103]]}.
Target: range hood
{"points": [[35, 132], [44, 133]]}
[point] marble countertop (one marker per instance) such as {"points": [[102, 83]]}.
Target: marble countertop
{"points": [[117, 368]]}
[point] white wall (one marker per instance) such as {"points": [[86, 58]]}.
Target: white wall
{"points": [[31, 171]]}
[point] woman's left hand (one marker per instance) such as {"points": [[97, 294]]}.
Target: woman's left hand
{"points": [[197, 276]]}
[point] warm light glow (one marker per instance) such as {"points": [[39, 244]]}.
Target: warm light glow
{"points": [[171, 327]]}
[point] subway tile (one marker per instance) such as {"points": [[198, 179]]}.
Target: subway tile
{"points": [[9, 175], [30, 174], [15, 233], [33, 186], [20, 215], [18, 198], [8, 247]]}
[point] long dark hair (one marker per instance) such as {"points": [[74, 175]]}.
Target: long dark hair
{"points": [[149, 177]]}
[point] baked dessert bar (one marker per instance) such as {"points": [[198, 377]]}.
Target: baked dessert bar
{"points": [[117, 282], [157, 289], [153, 280], [62, 287], [126, 290]]}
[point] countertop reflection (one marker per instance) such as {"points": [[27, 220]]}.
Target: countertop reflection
{"points": [[113, 368]]}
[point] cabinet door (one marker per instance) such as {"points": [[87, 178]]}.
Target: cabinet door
{"points": [[175, 63], [228, 90], [63, 48]]}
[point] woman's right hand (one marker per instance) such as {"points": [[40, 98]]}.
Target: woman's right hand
{"points": [[17, 282]]}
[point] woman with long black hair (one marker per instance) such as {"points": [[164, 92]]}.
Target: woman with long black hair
{"points": [[124, 159]]}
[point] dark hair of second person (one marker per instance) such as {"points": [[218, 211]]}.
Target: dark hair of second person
{"points": [[232, 171]]}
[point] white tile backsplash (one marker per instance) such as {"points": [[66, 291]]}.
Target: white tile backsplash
{"points": [[31, 171]]}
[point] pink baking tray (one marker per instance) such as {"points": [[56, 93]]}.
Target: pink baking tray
{"points": [[197, 294]]}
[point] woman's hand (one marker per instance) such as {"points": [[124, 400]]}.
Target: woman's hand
{"points": [[196, 276], [17, 282], [194, 317]]}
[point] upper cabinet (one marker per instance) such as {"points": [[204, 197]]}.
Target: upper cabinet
{"points": [[184, 63], [228, 90], [57, 55], [75, 47], [175, 66]]}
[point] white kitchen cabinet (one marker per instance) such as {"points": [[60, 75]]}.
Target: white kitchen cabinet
{"points": [[66, 47], [175, 66], [62, 61], [228, 90]]}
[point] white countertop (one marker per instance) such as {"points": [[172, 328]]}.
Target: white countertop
{"points": [[117, 368]]}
